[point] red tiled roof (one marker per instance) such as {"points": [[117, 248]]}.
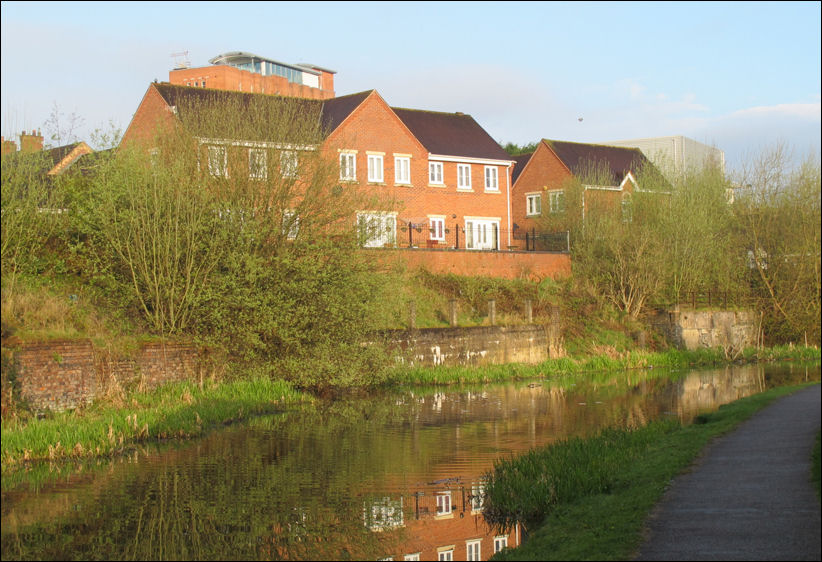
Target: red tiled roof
{"points": [[616, 161], [335, 110], [521, 161], [451, 134]]}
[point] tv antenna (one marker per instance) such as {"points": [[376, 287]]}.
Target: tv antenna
{"points": [[181, 60]]}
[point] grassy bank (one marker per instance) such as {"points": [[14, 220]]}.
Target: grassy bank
{"points": [[113, 425], [597, 512], [569, 366]]}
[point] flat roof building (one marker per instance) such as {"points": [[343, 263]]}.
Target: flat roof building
{"points": [[675, 155]]}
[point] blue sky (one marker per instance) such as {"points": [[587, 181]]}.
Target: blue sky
{"points": [[739, 75]]}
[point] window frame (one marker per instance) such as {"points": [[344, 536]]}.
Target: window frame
{"points": [[257, 169], [289, 163], [530, 209], [444, 507], [212, 153], [372, 178], [473, 549], [348, 166], [384, 239], [479, 235], [436, 228], [493, 176], [464, 179], [432, 175], [402, 164], [500, 543], [556, 201]]}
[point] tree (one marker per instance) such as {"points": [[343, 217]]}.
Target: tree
{"points": [[231, 227], [778, 214]]}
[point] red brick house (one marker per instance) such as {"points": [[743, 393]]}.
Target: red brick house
{"points": [[443, 182], [608, 176]]}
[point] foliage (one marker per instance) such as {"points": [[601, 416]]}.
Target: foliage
{"points": [[241, 253], [515, 150], [778, 214]]}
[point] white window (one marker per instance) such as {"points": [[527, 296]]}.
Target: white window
{"points": [[218, 161], [477, 491], [288, 163], [533, 204], [291, 224], [491, 178], [436, 228], [446, 555], [257, 164], [556, 201], [402, 169], [443, 503], [348, 166], [376, 229], [375, 168], [473, 550], [481, 234], [415, 556], [463, 176], [435, 172], [500, 543]]}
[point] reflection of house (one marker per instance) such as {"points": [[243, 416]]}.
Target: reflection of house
{"points": [[442, 522], [607, 174]]}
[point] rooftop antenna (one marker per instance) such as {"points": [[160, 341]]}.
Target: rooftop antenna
{"points": [[181, 60]]}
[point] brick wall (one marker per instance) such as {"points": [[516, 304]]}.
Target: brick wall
{"points": [[59, 375], [224, 77], [506, 265], [543, 172], [694, 329]]}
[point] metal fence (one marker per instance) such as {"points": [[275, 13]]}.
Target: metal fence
{"points": [[476, 237]]}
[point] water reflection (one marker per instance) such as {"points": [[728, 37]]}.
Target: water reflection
{"points": [[389, 476]]}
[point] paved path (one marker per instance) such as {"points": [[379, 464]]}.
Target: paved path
{"points": [[749, 496]]}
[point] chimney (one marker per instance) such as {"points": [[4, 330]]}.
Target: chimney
{"points": [[9, 146], [32, 142]]}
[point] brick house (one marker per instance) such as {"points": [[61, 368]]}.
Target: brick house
{"points": [[541, 181]]}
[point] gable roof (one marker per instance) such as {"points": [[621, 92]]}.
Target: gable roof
{"points": [[51, 161], [521, 160], [260, 113], [614, 161], [452, 134], [335, 110]]}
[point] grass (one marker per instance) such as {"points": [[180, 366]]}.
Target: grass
{"points": [[597, 513], [567, 366], [176, 410]]}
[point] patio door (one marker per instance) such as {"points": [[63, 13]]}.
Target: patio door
{"points": [[481, 234]]}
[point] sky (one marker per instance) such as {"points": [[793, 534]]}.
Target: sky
{"points": [[741, 76]]}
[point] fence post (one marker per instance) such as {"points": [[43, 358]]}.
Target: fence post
{"points": [[412, 315], [410, 235], [453, 312], [529, 312], [457, 233], [527, 246], [492, 311]]}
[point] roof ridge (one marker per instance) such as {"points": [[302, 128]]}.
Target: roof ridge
{"points": [[455, 113], [592, 144]]}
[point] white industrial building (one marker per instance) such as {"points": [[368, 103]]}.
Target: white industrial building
{"points": [[675, 155]]}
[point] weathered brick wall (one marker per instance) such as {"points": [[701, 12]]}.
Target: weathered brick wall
{"points": [[60, 375], [56, 375], [482, 345]]}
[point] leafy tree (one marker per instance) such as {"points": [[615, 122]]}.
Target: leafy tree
{"points": [[515, 150]]}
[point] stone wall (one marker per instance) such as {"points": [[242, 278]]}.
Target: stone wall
{"points": [[694, 329], [482, 345]]}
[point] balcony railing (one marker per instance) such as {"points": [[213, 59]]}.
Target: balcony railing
{"points": [[456, 237]]}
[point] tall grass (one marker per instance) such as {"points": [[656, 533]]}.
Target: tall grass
{"points": [[183, 409]]}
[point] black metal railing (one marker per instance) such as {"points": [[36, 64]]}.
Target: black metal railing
{"points": [[454, 236]]}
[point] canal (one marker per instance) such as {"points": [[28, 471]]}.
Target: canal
{"points": [[395, 475]]}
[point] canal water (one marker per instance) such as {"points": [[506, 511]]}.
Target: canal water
{"points": [[396, 475]]}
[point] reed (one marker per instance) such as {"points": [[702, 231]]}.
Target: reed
{"points": [[184, 409]]}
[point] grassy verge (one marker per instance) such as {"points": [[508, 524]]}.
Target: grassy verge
{"points": [[111, 427], [571, 366], [597, 512]]}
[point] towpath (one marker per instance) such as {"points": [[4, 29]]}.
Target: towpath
{"points": [[749, 496]]}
